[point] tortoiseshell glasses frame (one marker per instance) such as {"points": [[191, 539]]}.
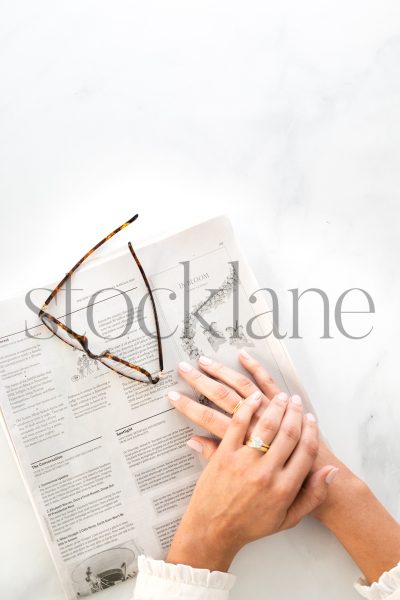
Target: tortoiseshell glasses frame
{"points": [[80, 342]]}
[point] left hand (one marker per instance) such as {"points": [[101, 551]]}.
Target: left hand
{"points": [[225, 387], [244, 494]]}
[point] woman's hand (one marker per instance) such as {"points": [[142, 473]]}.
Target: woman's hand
{"points": [[244, 494], [350, 510], [225, 387]]}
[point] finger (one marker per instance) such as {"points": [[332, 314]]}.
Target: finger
{"points": [[219, 393], [262, 378], [242, 384], [267, 426], [289, 433], [212, 420], [236, 433], [203, 445], [312, 495], [303, 457]]}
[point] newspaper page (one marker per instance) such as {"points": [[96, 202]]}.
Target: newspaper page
{"points": [[104, 458]]}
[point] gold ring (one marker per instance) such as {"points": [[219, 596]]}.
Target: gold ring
{"points": [[238, 405], [258, 444]]}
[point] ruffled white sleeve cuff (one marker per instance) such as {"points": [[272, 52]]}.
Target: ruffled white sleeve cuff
{"points": [[387, 588], [158, 579]]}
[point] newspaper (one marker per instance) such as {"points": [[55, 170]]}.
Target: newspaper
{"points": [[104, 458]]}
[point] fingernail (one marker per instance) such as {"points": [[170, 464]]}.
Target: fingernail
{"points": [[173, 396], [310, 417], [282, 397], [195, 445], [245, 354], [254, 398], [204, 360], [185, 367], [331, 475], [296, 400]]}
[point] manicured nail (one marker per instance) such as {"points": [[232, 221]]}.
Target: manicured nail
{"points": [[254, 398], [195, 445], [173, 396], [296, 400], [245, 355], [204, 360], [282, 397], [185, 367], [331, 475], [310, 417]]}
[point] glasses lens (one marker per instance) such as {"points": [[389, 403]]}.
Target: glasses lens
{"points": [[122, 321], [119, 317], [125, 370], [61, 333]]}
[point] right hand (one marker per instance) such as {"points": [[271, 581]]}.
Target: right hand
{"points": [[350, 510]]}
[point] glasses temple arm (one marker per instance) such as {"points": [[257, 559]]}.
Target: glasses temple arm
{"points": [[78, 264], [160, 354]]}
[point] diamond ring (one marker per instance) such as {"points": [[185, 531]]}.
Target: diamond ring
{"points": [[258, 444]]}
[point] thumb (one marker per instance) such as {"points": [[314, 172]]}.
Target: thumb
{"points": [[203, 445], [311, 495]]}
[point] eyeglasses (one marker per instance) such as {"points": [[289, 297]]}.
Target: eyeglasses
{"points": [[80, 342]]}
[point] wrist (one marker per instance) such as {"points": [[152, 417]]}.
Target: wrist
{"points": [[200, 547], [364, 527], [344, 496]]}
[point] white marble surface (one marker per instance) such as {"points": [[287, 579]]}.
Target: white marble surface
{"points": [[283, 114]]}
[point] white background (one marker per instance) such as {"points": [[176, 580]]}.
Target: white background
{"points": [[285, 115]]}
